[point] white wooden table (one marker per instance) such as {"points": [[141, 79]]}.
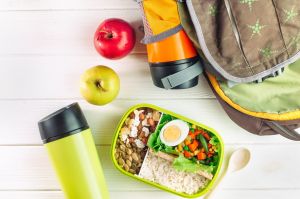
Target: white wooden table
{"points": [[45, 45]]}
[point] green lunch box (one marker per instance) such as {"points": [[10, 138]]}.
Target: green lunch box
{"points": [[167, 150]]}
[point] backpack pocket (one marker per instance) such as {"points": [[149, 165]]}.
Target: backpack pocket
{"points": [[266, 108], [246, 41]]}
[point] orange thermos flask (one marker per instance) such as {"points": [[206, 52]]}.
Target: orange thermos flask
{"points": [[174, 62]]}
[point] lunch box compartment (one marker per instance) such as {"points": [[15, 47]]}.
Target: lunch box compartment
{"points": [[135, 151]]}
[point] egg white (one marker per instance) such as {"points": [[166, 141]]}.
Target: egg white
{"points": [[184, 131]]}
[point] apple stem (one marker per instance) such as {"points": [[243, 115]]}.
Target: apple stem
{"points": [[98, 84], [107, 34]]}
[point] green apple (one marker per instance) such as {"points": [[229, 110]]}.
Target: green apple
{"points": [[99, 85]]}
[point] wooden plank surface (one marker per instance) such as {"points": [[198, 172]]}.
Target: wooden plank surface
{"points": [[32, 5], [45, 47], [57, 77], [245, 194], [28, 168], [58, 32], [104, 120]]}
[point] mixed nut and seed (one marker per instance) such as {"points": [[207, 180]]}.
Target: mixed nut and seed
{"points": [[131, 146]]}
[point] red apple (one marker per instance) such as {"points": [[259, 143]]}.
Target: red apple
{"points": [[114, 38]]}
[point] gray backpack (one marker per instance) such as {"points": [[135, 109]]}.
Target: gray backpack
{"points": [[250, 51]]}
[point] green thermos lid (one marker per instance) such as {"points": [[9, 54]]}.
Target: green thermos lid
{"points": [[64, 122]]}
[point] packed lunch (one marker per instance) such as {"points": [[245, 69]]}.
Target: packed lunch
{"points": [[168, 151]]}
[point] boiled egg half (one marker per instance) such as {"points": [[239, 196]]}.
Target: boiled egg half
{"points": [[174, 132]]}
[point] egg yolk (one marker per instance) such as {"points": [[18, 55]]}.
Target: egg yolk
{"points": [[172, 133]]}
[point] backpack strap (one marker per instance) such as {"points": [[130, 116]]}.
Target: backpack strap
{"points": [[283, 130]]}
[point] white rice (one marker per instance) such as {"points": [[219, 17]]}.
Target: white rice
{"points": [[161, 171]]}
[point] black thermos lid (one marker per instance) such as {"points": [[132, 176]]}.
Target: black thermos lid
{"points": [[64, 122], [163, 69]]}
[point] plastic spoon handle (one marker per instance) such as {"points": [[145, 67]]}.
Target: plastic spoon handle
{"points": [[216, 187], [237, 161]]}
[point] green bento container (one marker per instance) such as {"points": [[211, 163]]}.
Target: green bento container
{"points": [[212, 131]]}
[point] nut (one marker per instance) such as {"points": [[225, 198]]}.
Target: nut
{"points": [[146, 131], [121, 161], [125, 130], [134, 165], [142, 116], [156, 116], [116, 155], [142, 135], [140, 127], [144, 140], [139, 143], [122, 154], [131, 115], [130, 122], [135, 157], [145, 122], [131, 140], [129, 158], [152, 128], [126, 167], [128, 163], [127, 120], [151, 122], [122, 147], [128, 151]]}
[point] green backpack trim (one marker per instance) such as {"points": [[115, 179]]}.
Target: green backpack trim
{"points": [[279, 94]]}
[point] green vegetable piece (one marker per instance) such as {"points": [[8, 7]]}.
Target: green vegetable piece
{"points": [[192, 130], [154, 141], [203, 142], [186, 148], [170, 150], [194, 159], [215, 142], [183, 164], [201, 161]]}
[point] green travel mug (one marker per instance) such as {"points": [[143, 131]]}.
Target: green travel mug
{"points": [[70, 145]]}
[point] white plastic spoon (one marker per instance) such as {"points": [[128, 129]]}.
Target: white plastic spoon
{"points": [[237, 161]]}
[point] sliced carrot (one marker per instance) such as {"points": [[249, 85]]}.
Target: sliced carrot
{"points": [[193, 146], [192, 135], [197, 132], [187, 154], [201, 156]]}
